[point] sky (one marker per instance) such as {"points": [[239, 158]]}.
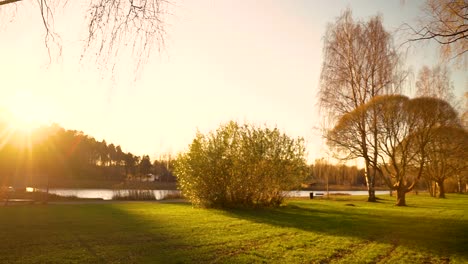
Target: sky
{"points": [[249, 61]]}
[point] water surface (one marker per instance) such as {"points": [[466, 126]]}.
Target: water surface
{"points": [[106, 194]]}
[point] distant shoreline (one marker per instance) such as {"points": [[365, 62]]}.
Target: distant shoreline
{"points": [[103, 184], [110, 184], [173, 186], [342, 188]]}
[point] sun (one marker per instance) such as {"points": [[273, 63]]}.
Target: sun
{"points": [[27, 111]]}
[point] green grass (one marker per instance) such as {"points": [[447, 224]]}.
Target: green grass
{"points": [[305, 231]]}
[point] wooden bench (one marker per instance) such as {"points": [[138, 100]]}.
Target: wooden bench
{"points": [[316, 194]]}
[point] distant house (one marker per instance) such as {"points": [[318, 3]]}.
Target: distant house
{"points": [[148, 178], [144, 178]]}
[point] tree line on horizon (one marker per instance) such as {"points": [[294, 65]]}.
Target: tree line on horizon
{"points": [[52, 154]]}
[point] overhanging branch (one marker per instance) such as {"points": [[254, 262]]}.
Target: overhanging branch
{"points": [[6, 2]]}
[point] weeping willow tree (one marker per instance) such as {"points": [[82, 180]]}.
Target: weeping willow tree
{"points": [[447, 157], [408, 130]]}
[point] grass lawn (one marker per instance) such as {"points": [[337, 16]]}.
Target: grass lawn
{"points": [[345, 230]]}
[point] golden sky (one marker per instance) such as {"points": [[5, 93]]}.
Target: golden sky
{"points": [[255, 61]]}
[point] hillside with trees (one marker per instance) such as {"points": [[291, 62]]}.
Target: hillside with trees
{"points": [[57, 157]]}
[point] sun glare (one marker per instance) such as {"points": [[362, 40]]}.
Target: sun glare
{"points": [[27, 112]]}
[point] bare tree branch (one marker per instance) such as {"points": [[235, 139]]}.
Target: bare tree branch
{"points": [[116, 28], [446, 23], [6, 2]]}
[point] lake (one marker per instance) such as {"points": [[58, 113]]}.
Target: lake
{"points": [[306, 193], [106, 194]]}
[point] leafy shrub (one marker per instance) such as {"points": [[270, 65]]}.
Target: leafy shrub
{"points": [[241, 165]]}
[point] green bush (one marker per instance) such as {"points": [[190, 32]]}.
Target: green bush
{"points": [[241, 165]]}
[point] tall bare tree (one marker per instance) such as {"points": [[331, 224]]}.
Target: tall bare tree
{"points": [[435, 82], [360, 62], [114, 27]]}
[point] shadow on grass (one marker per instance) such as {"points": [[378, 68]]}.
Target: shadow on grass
{"points": [[397, 226], [94, 233], [177, 233]]}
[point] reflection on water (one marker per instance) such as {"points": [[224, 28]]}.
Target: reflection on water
{"points": [[306, 193], [106, 194]]}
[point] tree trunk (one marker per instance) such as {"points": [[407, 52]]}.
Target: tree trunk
{"points": [[370, 184], [429, 188], [459, 184], [441, 189], [401, 198], [371, 195]]}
